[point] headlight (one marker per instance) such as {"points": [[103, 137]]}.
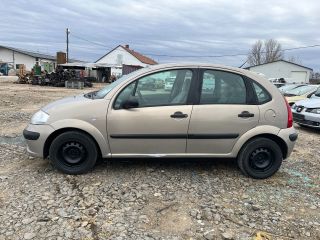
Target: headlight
{"points": [[315, 110], [39, 117], [294, 106]]}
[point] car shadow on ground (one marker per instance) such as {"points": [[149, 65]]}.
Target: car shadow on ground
{"points": [[168, 163]]}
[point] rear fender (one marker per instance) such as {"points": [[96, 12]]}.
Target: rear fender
{"points": [[259, 130]]}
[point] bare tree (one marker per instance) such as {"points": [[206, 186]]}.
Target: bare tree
{"points": [[265, 52], [272, 51], [315, 75], [255, 56]]}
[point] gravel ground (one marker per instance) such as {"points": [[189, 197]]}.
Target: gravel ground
{"points": [[148, 199]]}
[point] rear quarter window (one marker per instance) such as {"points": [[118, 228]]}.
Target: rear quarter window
{"points": [[263, 96]]}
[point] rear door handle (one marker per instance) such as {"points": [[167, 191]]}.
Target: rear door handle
{"points": [[179, 115], [245, 114]]}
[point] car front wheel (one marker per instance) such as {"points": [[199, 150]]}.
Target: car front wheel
{"points": [[73, 152], [260, 158]]}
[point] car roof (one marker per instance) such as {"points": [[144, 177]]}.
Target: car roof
{"points": [[199, 65]]}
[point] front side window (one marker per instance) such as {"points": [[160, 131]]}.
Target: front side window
{"points": [[220, 87], [157, 89]]}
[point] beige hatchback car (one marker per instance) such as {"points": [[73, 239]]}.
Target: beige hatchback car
{"points": [[210, 111]]}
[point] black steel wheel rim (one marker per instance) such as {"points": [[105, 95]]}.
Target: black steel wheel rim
{"points": [[73, 153], [261, 159]]}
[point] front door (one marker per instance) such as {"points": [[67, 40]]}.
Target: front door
{"points": [[149, 117], [223, 114]]}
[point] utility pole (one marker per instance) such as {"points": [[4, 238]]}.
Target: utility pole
{"points": [[67, 33]]}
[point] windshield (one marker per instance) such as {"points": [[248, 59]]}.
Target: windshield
{"points": [[301, 90], [104, 91], [287, 88]]}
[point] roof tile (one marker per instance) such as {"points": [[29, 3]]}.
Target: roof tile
{"points": [[140, 57]]}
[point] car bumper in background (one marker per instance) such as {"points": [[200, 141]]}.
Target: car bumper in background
{"points": [[36, 136], [307, 119]]}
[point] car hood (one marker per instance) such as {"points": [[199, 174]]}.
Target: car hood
{"points": [[64, 101], [295, 99], [309, 103]]}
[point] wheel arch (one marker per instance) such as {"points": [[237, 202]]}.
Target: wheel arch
{"points": [[266, 131], [281, 143], [58, 132]]}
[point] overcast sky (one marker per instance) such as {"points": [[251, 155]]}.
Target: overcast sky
{"points": [[166, 27]]}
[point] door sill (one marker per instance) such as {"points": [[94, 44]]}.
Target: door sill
{"points": [[170, 155]]}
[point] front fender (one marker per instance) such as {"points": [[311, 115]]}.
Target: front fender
{"points": [[259, 130], [100, 137]]}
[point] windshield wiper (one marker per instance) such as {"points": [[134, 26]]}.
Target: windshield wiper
{"points": [[290, 95]]}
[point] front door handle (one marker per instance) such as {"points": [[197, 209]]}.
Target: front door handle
{"points": [[245, 114], [179, 115]]}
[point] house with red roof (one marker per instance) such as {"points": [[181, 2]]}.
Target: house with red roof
{"points": [[123, 59]]}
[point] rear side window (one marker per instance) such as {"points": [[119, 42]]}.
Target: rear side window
{"points": [[220, 87], [262, 95]]}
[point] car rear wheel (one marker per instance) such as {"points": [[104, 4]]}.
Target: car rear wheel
{"points": [[73, 152], [260, 158]]}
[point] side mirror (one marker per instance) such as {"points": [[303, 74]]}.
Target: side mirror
{"points": [[130, 103]]}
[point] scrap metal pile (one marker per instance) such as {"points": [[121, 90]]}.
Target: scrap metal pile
{"points": [[56, 79]]}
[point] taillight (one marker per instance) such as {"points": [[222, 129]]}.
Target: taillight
{"points": [[290, 118]]}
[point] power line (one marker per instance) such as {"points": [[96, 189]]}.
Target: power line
{"points": [[83, 39], [195, 56], [230, 55]]}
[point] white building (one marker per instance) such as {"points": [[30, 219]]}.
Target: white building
{"points": [[123, 55], [291, 72], [13, 57]]}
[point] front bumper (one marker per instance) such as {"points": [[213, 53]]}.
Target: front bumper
{"points": [[29, 135], [289, 135], [36, 136], [306, 119]]}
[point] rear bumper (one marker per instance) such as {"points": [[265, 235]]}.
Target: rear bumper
{"points": [[289, 135], [293, 137], [36, 136]]}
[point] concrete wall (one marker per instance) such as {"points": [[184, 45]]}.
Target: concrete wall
{"points": [[6, 55], [284, 70]]}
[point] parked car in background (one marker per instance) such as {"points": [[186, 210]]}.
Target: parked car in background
{"points": [[289, 87], [300, 93], [238, 115], [307, 112], [278, 82], [279, 85]]}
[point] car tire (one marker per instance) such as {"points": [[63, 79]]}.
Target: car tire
{"points": [[73, 152], [260, 158]]}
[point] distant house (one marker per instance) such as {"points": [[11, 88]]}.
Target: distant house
{"points": [[291, 72], [13, 57], [122, 56]]}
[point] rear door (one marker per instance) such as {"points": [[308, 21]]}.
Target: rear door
{"points": [[223, 112]]}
